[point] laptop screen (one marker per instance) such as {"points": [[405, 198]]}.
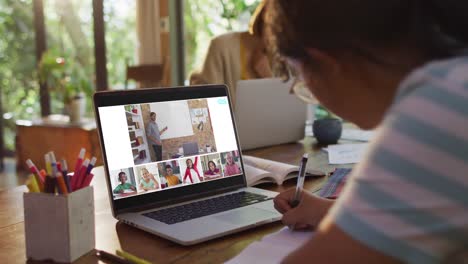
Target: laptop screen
{"points": [[160, 146]]}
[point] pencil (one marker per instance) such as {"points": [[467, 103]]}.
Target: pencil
{"points": [[131, 258], [31, 183], [112, 258], [39, 179], [61, 183], [65, 174]]}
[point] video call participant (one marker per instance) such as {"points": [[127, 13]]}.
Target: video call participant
{"points": [[154, 135], [212, 171], [147, 180], [120, 189], [231, 168], [191, 172], [171, 179]]}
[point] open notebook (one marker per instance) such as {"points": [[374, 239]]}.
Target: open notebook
{"points": [[258, 170]]}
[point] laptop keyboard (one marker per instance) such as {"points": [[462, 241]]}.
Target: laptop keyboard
{"points": [[202, 208]]}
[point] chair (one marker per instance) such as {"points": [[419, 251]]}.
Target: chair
{"points": [[148, 75]]}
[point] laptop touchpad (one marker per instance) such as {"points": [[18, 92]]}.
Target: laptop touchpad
{"points": [[246, 215]]}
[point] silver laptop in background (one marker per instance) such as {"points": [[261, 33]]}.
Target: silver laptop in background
{"points": [[267, 114], [186, 210]]}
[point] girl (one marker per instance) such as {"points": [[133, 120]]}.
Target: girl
{"points": [[212, 171], [191, 172], [147, 180], [397, 65], [231, 168]]}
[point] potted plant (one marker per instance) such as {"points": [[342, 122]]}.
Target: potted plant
{"points": [[327, 127], [67, 82]]}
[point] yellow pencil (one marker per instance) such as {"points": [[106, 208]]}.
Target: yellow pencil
{"points": [[48, 164], [31, 183], [131, 257]]}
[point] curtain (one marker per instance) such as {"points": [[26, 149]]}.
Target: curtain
{"points": [[149, 32]]}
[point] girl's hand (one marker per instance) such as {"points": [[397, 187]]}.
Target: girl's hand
{"points": [[307, 214]]}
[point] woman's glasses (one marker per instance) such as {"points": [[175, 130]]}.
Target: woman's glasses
{"points": [[298, 87]]}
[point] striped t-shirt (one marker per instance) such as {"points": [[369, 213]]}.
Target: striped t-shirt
{"points": [[409, 197]]}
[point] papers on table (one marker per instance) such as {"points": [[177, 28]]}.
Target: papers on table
{"points": [[346, 153], [357, 135], [272, 248]]}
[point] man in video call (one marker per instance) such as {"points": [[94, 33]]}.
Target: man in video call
{"points": [[154, 136]]}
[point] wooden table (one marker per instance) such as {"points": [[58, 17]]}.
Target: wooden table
{"points": [[111, 235]]}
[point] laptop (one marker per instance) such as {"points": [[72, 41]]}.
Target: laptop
{"points": [[279, 117], [173, 197]]}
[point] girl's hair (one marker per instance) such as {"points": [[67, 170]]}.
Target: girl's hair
{"points": [[436, 27], [186, 162], [229, 154], [211, 162]]}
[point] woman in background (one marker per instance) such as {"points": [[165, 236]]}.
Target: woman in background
{"points": [[399, 65], [236, 56]]}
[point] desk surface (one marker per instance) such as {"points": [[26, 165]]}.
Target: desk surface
{"points": [[112, 235]]}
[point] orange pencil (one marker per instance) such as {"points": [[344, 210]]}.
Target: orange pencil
{"points": [[61, 183]]}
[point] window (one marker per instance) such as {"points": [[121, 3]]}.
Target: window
{"points": [[205, 19]]}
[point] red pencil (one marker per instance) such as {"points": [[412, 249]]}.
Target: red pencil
{"points": [[87, 172], [40, 180], [88, 180], [78, 164], [78, 178]]}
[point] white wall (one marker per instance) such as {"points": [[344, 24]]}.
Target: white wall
{"points": [[176, 116], [116, 138], [221, 121]]}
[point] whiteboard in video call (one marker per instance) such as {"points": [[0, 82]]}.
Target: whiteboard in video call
{"points": [[174, 115]]}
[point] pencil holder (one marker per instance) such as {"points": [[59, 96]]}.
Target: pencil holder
{"points": [[59, 227]]}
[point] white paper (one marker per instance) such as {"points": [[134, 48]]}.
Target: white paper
{"points": [[346, 153], [272, 248], [357, 134]]}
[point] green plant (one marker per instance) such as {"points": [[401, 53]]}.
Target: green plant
{"points": [[323, 113], [65, 78]]}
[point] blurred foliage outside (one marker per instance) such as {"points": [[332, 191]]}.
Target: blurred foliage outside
{"points": [[205, 19], [18, 83], [69, 29]]}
